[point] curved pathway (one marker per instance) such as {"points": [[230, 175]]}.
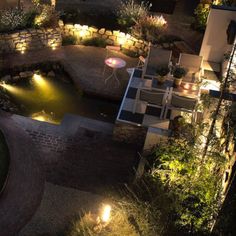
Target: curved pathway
{"points": [[25, 184]]}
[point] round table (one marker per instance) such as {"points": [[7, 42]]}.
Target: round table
{"points": [[114, 63]]}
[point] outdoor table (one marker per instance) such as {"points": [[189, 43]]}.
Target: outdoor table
{"points": [[114, 63]]}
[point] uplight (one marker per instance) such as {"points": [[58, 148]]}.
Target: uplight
{"points": [[106, 213], [37, 77], [53, 47], [39, 118]]}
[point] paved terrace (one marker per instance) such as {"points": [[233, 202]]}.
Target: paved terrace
{"points": [[85, 65]]}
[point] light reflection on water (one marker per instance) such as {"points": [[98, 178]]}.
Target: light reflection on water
{"points": [[50, 99]]}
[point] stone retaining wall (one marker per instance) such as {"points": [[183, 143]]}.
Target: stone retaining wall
{"points": [[30, 39], [128, 133], [33, 39], [115, 37]]}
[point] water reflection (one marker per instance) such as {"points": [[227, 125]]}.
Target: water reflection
{"points": [[48, 99]]}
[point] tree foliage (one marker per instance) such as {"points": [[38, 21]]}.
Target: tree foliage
{"points": [[195, 188]]}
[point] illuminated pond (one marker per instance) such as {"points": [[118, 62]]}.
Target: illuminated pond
{"points": [[49, 99]]}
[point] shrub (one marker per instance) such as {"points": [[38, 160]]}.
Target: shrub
{"points": [[130, 12], [129, 216], [12, 19], [97, 42], [196, 202], [179, 72], [130, 53], [201, 14], [47, 16], [70, 16], [162, 71], [69, 40], [29, 18], [150, 28]]}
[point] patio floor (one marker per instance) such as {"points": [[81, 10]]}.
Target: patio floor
{"points": [[58, 208]]}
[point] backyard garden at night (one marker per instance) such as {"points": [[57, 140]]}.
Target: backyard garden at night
{"points": [[117, 117]]}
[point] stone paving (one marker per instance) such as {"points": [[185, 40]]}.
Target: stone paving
{"points": [[59, 206], [70, 152], [25, 183]]}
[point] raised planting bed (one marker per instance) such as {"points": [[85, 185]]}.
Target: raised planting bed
{"points": [[4, 160]]}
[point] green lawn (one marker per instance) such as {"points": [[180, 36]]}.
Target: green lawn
{"points": [[4, 160]]}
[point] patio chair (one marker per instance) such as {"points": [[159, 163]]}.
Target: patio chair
{"points": [[140, 65], [193, 65], [110, 50], [141, 62], [153, 97], [156, 57], [181, 103]]}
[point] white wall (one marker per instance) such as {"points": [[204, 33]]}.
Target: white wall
{"points": [[214, 44]]}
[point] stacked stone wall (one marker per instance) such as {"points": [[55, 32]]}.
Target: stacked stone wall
{"points": [[30, 39], [34, 39], [115, 37]]}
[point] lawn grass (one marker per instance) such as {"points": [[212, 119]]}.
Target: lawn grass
{"points": [[4, 160]]}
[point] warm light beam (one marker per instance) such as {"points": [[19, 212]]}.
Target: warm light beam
{"points": [[106, 213]]}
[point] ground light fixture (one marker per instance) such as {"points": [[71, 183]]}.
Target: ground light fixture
{"points": [[2, 84], [39, 80], [37, 76], [106, 212]]}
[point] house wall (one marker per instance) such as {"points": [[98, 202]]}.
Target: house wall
{"points": [[214, 44]]}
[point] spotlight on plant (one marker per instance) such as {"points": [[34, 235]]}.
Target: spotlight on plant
{"points": [[106, 212]]}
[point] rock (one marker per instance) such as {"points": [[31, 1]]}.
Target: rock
{"points": [[108, 32], [102, 31], [93, 29], [26, 74], [51, 74], [6, 78], [15, 78]]}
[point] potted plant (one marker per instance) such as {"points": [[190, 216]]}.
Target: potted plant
{"points": [[178, 73], [162, 72]]}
